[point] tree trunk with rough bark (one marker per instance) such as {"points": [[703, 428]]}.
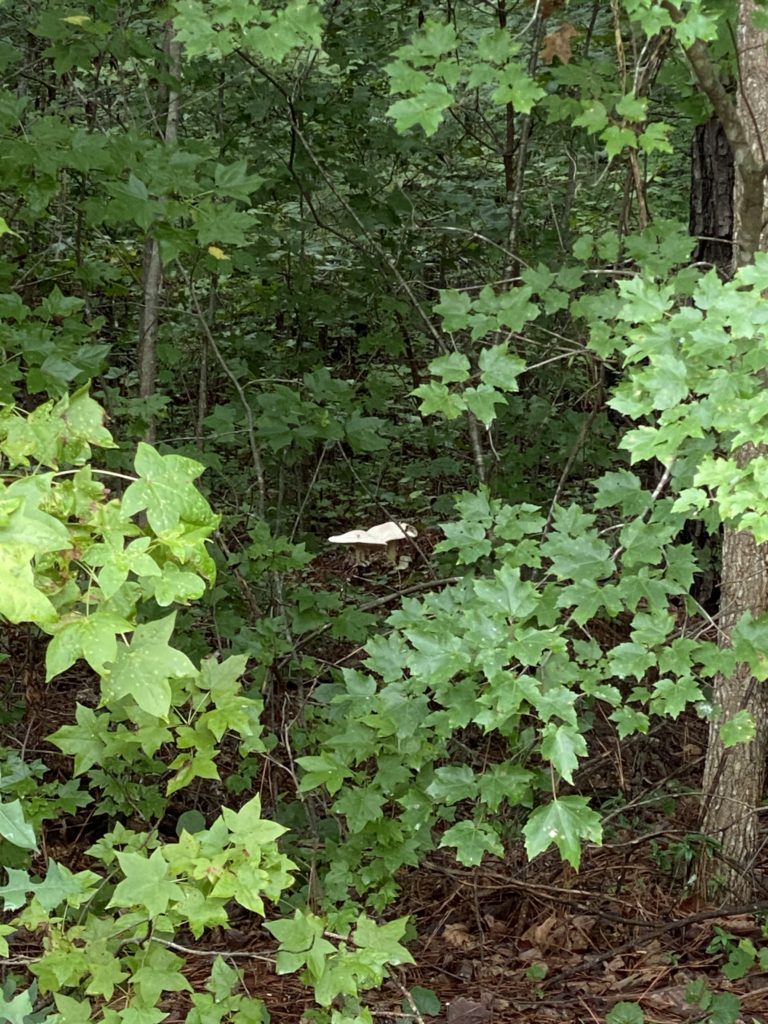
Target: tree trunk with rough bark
{"points": [[711, 217], [734, 778]]}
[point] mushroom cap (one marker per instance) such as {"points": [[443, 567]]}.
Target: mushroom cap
{"points": [[377, 536], [386, 532], [356, 537]]}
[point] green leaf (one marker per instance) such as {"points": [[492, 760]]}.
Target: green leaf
{"points": [[86, 741], [426, 108], [654, 138], [594, 117], [472, 840], [20, 600], [563, 745], [322, 770], [616, 138], [425, 1001], [740, 728], [452, 369], [18, 1010], [147, 883], [564, 822], [438, 398], [454, 307], [166, 492], [625, 1013], [508, 594], [482, 401], [14, 892], [360, 806], [5, 230], [453, 783], [671, 696], [92, 637], [159, 971], [64, 886], [499, 368], [632, 107], [143, 667], [233, 180], [14, 827], [630, 721], [72, 1011], [366, 433]]}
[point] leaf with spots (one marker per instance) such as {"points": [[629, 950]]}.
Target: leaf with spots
{"points": [[143, 667], [166, 491], [564, 822]]}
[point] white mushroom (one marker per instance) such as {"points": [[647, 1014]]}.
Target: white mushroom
{"points": [[393, 534], [385, 535]]}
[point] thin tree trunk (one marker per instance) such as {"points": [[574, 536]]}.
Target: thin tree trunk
{"points": [[734, 778], [152, 272]]}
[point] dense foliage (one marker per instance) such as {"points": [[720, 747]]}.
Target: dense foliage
{"points": [[274, 271]]}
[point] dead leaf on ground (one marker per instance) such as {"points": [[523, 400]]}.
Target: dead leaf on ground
{"points": [[457, 936], [467, 1011], [540, 934]]}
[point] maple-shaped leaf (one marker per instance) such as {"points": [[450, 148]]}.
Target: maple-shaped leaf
{"points": [[165, 489], [143, 667], [564, 822], [20, 600], [92, 637], [159, 971], [14, 826], [14, 892], [558, 44], [563, 745], [85, 741], [146, 884]]}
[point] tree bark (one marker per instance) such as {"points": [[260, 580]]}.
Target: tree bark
{"points": [[712, 185], [734, 778], [152, 271]]}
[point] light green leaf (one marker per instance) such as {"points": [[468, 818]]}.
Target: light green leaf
{"points": [[563, 745], [453, 783], [482, 402], [426, 108], [472, 840], [147, 883], [740, 728], [14, 827], [166, 491], [14, 892], [452, 369], [500, 368], [564, 822], [143, 667]]}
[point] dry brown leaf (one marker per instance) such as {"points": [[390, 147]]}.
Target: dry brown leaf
{"points": [[541, 934], [466, 1011], [582, 926], [558, 44], [457, 936]]}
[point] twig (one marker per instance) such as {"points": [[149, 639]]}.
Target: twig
{"points": [[243, 955], [258, 465]]}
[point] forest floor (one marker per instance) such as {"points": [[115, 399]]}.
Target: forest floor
{"points": [[512, 941]]}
